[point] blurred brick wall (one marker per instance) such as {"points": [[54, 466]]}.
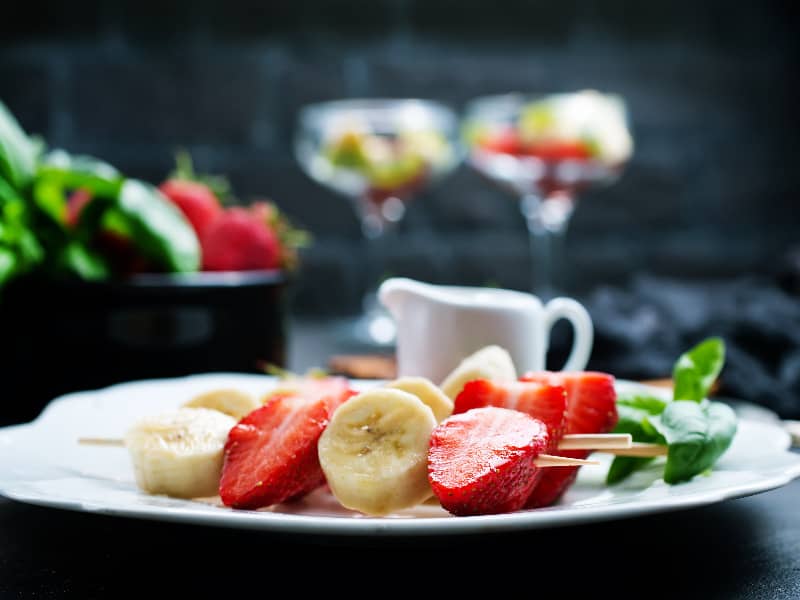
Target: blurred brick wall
{"points": [[712, 88]]}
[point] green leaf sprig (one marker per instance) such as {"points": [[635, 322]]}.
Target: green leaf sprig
{"points": [[696, 431]]}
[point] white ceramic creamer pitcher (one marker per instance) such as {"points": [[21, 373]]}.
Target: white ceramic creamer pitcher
{"points": [[438, 326]]}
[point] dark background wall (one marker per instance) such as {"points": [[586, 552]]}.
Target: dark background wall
{"points": [[712, 90]]}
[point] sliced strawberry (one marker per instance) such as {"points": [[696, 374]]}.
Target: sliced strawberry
{"points": [[543, 401], [502, 142], [482, 461], [271, 454], [591, 399], [555, 150], [591, 408]]}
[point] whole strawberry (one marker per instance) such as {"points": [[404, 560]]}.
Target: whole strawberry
{"points": [[238, 240], [195, 200], [197, 196]]}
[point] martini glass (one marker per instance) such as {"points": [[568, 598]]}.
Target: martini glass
{"points": [[380, 154], [546, 150]]}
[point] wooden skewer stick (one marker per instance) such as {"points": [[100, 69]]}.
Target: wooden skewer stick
{"points": [[548, 460], [577, 441], [543, 460], [599, 441], [91, 441], [641, 450]]}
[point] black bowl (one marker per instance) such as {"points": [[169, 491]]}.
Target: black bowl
{"points": [[62, 336]]}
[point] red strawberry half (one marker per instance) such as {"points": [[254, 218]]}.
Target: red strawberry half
{"points": [[482, 461], [543, 401], [195, 200], [591, 408], [238, 240], [271, 454], [591, 399]]}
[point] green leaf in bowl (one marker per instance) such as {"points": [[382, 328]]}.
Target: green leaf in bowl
{"points": [[17, 151], [158, 228]]}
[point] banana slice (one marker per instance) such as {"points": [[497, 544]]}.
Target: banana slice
{"points": [[179, 453], [374, 451], [491, 362], [428, 392], [235, 403]]}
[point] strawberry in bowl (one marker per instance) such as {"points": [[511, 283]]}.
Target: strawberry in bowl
{"points": [[232, 238]]}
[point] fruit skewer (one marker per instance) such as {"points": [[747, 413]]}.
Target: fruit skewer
{"points": [[614, 443], [610, 443], [543, 460]]}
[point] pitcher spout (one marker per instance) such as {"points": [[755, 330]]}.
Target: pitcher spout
{"points": [[396, 292]]}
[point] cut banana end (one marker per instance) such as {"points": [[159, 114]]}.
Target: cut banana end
{"points": [[428, 392], [179, 453], [235, 403], [491, 362], [374, 451]]}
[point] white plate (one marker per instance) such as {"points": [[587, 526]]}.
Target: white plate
{"points": [[41, 463]]}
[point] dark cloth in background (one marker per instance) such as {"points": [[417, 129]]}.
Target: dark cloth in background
{"points": [[641, 329]]}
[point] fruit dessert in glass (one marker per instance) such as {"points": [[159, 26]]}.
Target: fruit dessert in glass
{"points": [[380, 154], [546, 150]]}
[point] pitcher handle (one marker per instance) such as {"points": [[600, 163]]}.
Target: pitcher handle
{"points": [[576, 314]]}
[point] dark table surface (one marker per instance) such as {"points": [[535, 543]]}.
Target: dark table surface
{"points": [[743, 548]]}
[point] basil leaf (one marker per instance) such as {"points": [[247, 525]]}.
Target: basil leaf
{"points": [[83, 262], [8, 193], [635, 421], [8, 264], [697, 434], [17, 151], [651, 404], [696, 370], [22, 249], [29, 248], [623, 467], [49, 198], [72, 172], [157, 227]]}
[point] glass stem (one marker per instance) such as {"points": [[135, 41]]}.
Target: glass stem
{"points": [[375, 327], [374, 261], [378, 232], [547, 219]]}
